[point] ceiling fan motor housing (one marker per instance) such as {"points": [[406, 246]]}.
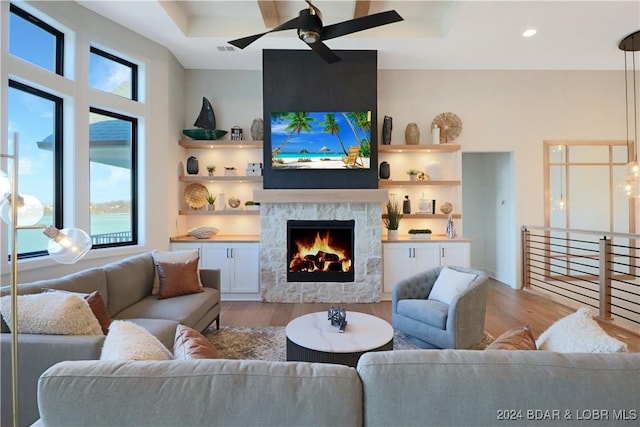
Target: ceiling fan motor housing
{"points": [[311, 27]]}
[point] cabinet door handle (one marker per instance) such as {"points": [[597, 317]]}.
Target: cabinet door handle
{"points": [[442, 252]]}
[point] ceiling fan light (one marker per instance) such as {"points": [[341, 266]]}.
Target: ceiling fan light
{"points": [[308, 36]]}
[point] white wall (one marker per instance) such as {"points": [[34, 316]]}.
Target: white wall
{"points": [[160, 113]]}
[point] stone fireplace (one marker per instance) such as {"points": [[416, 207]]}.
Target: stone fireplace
{"points": [[362, 207]]}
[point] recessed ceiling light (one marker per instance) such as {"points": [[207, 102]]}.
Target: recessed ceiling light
{"points": [[529, 33]]}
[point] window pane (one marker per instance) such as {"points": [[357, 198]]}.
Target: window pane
{"points": [[111, 174], [111, 74], [34, 119], [589, 154], [31, 42]]}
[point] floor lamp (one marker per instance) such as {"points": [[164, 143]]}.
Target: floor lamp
{"points": [[65, 246]]}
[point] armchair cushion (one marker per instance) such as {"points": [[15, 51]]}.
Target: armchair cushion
{"points": [[431, 312], [449, 284]]}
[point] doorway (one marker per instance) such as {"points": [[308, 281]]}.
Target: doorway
{"points": [[489, 220]]}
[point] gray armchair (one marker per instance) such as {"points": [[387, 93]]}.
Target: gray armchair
{"points": [[435, 324]]}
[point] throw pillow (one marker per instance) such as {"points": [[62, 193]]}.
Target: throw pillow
{"points": [[515, 339], [51, 313], [449, 284], [191, 344], [173, 257], [128, 341], [96, 303], [178, 279], [579, 333]]}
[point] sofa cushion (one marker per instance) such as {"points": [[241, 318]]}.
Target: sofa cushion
{"points": [[128, 341], [178, 278], [515, 339], [427, 311], [128, 281], [449, 284], [191, 344], [83, 281], [185, 309], [579, 333], [54, 313], [173, 257], [97, 305]]}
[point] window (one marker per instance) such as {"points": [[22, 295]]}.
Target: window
{"points": [[35, 41], [112, 74], [36, 117], [112, 154]]}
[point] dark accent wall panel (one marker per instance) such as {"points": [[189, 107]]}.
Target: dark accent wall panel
{"points": [[299, 80]]}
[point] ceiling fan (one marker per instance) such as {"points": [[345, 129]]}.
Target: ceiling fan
{"points": [[312, 32]]}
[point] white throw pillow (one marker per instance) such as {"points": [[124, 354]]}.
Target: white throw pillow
{"points": [[128, 341], [579, 333], [449, 284], [172, 257], [52, 313]]}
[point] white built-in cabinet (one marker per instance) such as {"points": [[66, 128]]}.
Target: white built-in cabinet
{"points": [[238, 263], [403, 259]]}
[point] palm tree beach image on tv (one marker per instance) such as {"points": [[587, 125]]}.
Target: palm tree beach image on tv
{"points": [[321, 140]]}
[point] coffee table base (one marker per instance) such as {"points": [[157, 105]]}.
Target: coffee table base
{"points": [[297, 353]]}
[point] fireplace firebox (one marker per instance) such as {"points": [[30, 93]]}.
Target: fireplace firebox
{"points": [[320, 251]]}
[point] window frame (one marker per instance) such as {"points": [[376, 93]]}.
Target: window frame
{"points": [[134, 177], [58, 144], [121, 61], [59, 35]]}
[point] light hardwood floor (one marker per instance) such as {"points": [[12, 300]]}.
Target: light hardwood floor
{"points": [[506, 309]]}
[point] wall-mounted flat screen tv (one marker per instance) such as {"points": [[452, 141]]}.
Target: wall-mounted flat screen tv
{"points": [[321, 140]]}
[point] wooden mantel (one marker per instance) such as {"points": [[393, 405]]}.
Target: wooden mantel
{"points": [[321, 196]]}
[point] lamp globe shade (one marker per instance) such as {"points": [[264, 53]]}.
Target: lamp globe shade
{"points": [[68, 245], [30, 210]]}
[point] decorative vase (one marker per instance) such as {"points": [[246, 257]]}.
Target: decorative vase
{"points": [[192, 166], [257, 129], [385, 170], [435, 135], [434, 170], [413, 177], [406, 205], [392, 234], [387, 127], [412, 134], [451, 229], [221, 201], [211, 207]]}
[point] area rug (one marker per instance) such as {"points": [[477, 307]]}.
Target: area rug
{"points": [[269, 343]]}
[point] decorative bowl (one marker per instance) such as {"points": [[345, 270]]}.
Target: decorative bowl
{"points": [[207, 134], [203, 232], [234, 202]]}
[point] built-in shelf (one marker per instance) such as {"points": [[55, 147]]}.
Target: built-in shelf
{"points": [[199, 143], [433, 148], [222, 212], [392, 183], [427, 216], [239, 178]]}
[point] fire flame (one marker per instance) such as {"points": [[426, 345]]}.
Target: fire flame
{"points": [[321, 244]]}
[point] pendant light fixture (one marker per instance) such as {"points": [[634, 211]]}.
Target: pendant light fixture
{"points": [[631, 43], [560, 204]]}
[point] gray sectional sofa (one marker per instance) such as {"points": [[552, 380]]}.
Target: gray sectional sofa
{"points": [[126, 288], [392, 388]]}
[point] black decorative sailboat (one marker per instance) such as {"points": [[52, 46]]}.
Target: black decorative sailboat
{"points": [[206, 121]]}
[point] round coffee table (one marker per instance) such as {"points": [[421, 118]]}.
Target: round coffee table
{"points": [[311, 338]]}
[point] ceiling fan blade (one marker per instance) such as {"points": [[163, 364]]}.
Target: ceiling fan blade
{"points": [[360, 24], [246, 41], [289, 25], [324, 52]]}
